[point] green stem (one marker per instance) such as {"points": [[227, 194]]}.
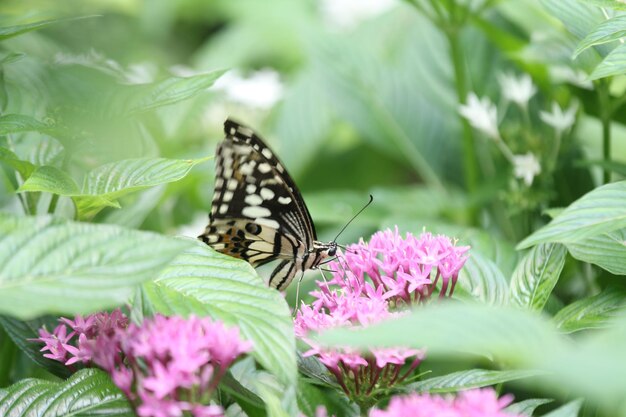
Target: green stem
{"points": [[53, 203], [605, 115], [460, 77]]}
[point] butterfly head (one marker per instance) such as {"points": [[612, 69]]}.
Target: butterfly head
{"points": [[324, 250]]}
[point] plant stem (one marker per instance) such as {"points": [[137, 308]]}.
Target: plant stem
{"points": [[460, 77], [605, 114], [53, 203]]}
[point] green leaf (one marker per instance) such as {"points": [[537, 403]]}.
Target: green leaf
{"points": [[16, 123], [599, 211], [247, 400], [536, 275], [608, 31], [11, 58], [613, 64], [314, 369], [614, 166], [11, 31], [612, 4], [579, 18], [570, 409], [87, 393], [455, 329], [204, 282], [122, 177], [105, 184], [592, 312], [172, 90], [526, 407], [25, 168], [483, 280], [607, 250], [592, 367], [20, 331], [473, 378], [51, 180], [50, 265]]}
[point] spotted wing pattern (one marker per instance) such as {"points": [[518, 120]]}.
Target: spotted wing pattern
{"points": [[257, 213]]}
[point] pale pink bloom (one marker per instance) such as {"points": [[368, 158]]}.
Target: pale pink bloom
{"points": [[370, 281], [156, 363], [472, 403]]}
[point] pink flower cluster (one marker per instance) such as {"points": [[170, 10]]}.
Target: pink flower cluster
{"points": [[72, 341], [405, 270], [473, 403], [369, 281], [167, 366]]}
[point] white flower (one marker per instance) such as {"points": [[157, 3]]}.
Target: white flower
{"points": [[518, 90], [526, 167], [559, 120], [481, 114], [262, 89], [349, 13]]}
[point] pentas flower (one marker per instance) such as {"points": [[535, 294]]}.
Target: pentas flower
{"points": [[167, 366], [370, 280], [473, 403], [72, 341], [404, 270]]}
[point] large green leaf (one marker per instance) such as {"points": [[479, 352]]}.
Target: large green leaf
{"points": [[11, 31], [570, 409], [87, 393], [52, 180], [607, 250], [455, 329], [25, 168], [15, 123], [104, 185], [591, 312], [472, 378], [171, 90], [608, 31], [599, 211], [50, 265], [592, 367], [526, 407], [482, 278], [536, 275], [204, 282], [21, 330], [613, 64], [612, 4]]}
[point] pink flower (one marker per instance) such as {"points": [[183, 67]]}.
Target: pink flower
{"points": [[370, 281], [473, 403], [167, 366]]}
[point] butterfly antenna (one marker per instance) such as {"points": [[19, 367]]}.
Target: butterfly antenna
{"points": [[354, 217]]}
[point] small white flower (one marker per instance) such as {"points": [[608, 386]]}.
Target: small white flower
{"points": [[559, 120], [518, 90], [262, 89], [526, 167], [481, 114]]}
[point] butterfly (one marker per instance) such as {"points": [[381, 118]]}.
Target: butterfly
{"points": [[258, 213]]}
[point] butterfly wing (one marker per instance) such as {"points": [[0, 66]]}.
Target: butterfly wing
{"points": [[257, 213]]}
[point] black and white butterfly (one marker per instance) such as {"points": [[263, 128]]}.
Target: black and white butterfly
{"points": [[258, 213]]}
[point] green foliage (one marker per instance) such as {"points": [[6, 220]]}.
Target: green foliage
{"points": [[50, 265], [89, 392], [203, 282], [108, 111]]}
